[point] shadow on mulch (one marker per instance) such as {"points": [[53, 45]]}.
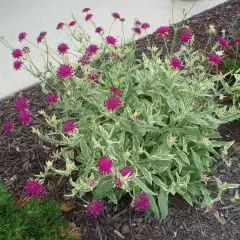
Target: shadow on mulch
{"points": [[22, 154]]}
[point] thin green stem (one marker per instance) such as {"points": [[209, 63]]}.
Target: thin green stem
{"points": [[123, 34], [111, 27], [165, 42], [4, 42], [147, 38]]}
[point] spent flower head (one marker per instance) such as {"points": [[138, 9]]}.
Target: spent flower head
{"points": [[212, 30], [212, 207]]}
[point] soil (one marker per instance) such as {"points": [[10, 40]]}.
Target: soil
{"points": [[22, 155]]}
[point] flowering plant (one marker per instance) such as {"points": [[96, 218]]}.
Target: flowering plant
{"points": [[145, 127]]}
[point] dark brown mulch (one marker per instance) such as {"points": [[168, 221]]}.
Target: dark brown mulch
{"points": [[22, 154]]}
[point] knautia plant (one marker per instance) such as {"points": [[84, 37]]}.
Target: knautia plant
{"points": [[144, 127]]}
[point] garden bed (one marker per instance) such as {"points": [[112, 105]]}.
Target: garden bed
{"points": [[22, 154]]}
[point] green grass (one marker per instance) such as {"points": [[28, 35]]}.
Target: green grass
{"points": [[37, 219]]}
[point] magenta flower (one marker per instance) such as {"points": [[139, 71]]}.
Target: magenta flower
{"points": [[84, 59], [116, 15], [111, 40], [88, 16], [39, 39], [141, 201], [116, 91], [104, 164], [17, 65], [223, 42], [185, 36], [117, 181], [24, 117], [238, 10], [137, 30], [175, 63], [62, 48], [112, 103], [98, 29], [137, 23], [214, 58], [162, 30], [60, 25], [64, 71], [95, 207], [22, 36], [236, 40], [86, 9], [8, 126], [72, 23], [126, 171], [34, 187], [69, 126], [21, 104], [17, 53], [145, 25], [51, 98], [92, 49], [93, 76]]}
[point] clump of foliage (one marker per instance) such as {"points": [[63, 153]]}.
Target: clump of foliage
{"points": [[144, 127], [36, 219]]}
